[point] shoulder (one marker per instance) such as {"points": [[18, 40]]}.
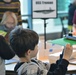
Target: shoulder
{"points": [[42, 65], [27, 66], [31, 65], [28, 69], [2, 27], [31, 69]]}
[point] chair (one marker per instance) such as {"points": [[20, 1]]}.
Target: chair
{"points": [[25, 21]]}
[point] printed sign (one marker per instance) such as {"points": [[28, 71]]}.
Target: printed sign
{"points": [[44, 9]]}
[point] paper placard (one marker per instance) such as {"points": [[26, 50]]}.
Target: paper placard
{"points": [[44, 8]]}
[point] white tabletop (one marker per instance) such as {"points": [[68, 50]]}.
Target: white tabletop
{"points": [[10, 67]]}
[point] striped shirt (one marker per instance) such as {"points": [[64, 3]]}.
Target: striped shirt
{"points": [[13, 6]]}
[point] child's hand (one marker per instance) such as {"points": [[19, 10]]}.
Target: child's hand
{"points": [[67, 52]]}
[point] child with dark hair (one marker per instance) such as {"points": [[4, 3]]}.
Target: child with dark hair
{"points": [[6, 52], [25, 44]]}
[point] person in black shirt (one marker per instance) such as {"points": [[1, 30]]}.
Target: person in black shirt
{"points": [[71, 10]]}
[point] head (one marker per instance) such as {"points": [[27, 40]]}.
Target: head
{"points": [[24, 42], [9, 19]]}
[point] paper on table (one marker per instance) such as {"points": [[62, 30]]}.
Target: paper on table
{"points": [[63, 41]]}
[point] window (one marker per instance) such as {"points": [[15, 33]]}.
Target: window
{"points": [[25, 10]]}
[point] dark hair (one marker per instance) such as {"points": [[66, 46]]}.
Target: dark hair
{"points": [[22, 40], [6, 51]]}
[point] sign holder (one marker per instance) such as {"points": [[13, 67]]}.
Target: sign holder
{"points": [[44, 9]]}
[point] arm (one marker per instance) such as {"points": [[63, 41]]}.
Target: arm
{"points": [[61, 68], [55, 65], [6, 51]]}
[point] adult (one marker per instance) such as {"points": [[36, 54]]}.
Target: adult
{"points": [[13, 6], [72, 8]]}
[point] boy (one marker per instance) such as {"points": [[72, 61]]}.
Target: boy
{"points": [[25, 44]]}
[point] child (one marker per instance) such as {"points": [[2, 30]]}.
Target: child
{"points": [[25, 44], [6, 52], [9, 21]]}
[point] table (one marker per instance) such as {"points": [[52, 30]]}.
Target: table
{"points": [[10, 64], [62, 41], [71, 69], [10, 69]]}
